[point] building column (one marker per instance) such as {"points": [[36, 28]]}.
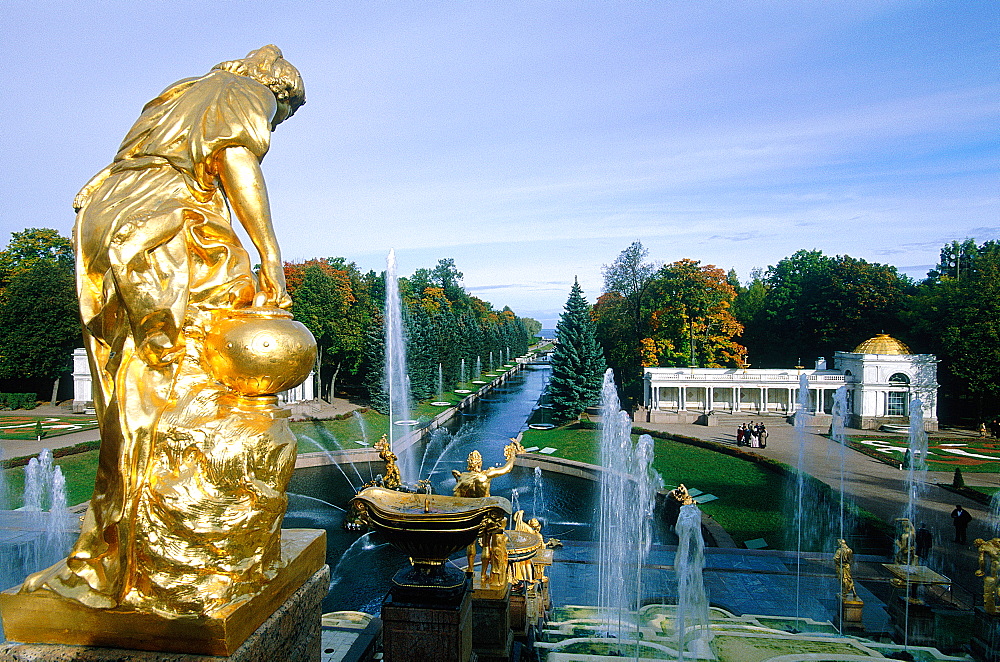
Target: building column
{"points": [[820, 400], [709, 398], [683, 404], [737, 393], [763, 397], [791, 402]]}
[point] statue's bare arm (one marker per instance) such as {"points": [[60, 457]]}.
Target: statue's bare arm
{"points": [[510, 452], [243, 182]]}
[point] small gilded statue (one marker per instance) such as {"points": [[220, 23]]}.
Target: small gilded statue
{"points": [[842, 560], [680, 494], [392, 479], [904, 545], [187, 343], [989, 555]]}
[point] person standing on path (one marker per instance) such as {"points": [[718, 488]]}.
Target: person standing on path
{"points": [[960, 518]]}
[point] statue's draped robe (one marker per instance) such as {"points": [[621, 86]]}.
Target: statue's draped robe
{"points": [[189, 495]]}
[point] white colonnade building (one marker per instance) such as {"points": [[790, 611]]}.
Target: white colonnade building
{"points": [[881, 377]]}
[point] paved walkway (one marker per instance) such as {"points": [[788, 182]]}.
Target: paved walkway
{"points": [[873, 485]]}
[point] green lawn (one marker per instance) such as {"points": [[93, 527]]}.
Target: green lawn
{"points": [[736, 482]]}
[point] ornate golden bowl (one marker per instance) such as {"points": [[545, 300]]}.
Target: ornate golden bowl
{"points": [[259, 351], [428, 527]]}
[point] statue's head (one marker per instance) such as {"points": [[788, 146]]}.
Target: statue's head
{"points": [[268, 67], [978, 542], [475, 461], [535, 524]]}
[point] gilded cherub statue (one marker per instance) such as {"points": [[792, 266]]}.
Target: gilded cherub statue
{"points": [[989, 555], [195, 455], [842, 559], [391, 480]]}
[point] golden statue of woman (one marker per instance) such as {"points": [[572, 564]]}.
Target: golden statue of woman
{"points": [[843, 558], [194, 457]]}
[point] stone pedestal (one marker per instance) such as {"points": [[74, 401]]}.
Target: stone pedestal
{"points": [[491, 633], [439, 629], [519, 610], [985, 636], [291, 633], [920, 621], [850, 616], [47, 618]]}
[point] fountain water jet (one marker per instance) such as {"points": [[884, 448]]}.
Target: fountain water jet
{"points": [[837, 426], [692, 602], [627, 498], [396, 379], [538, 496]]}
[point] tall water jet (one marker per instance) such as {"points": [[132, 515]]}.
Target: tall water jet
{"points": [[491, 361], [461, 373], [801, 517], [440, 381], [837, 426], [692, 602], [628, 491], [479, 366], [396, 380], [916, 452]]}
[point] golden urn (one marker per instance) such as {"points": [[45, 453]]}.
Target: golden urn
{"points": [[259, 351]]}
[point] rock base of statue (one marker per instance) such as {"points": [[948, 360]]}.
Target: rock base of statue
{"points": [[491, 634], [435, 629], [985, 642], [281, 622]]}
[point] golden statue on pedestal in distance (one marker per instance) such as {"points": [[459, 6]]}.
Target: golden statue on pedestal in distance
{"points": [[842, 560], [186, 346]]}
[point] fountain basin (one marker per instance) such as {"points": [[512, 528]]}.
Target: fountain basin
{"points": [[428, 527]]}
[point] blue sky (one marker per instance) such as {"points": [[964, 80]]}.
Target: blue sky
{"points": [[533, 141]]}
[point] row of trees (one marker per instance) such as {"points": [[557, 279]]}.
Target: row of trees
{"points": [[40, 324], [446, 327], [808, 305]]}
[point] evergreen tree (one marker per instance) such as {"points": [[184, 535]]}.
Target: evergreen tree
{"points": [[577, 362]]}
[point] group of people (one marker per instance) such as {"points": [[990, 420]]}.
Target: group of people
{"points": [[991, 429], [754, 436]]}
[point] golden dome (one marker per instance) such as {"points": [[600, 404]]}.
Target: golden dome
{"points": [[883, 343]]}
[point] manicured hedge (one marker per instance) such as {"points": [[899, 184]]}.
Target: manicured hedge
{"points": [[11, 401]]}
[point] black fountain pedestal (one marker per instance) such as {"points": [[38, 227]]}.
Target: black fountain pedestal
{"points": [[427, 615], [985, 643], [492, 637]]}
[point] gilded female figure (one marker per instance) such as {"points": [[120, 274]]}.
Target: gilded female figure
{"points": [[190, 486]]}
